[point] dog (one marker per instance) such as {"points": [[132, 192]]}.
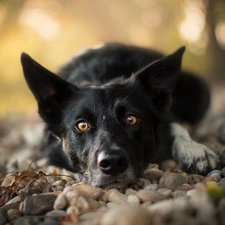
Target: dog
{"points": [[113, 110]]}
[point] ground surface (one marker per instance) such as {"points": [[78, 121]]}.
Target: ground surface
{"points": [[39, 194]]}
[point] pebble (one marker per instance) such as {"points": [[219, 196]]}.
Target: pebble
{"points": [[221, 137], [171, 180], [191, 192], [60, 202], [167, 164], [132, 198], [130, 191], [151, 187], [91, 215], [54, 214], [195, 178], [13, 214], [49, 222], [223, 172], [179, 193], [73, 210], [126, 215], [165, 191], [208, 179], [114, 195], [152, 196], [38, 204], [3, 217], [216, 174], [151, 174], [91, 191], [184, 187], [27, 220]]}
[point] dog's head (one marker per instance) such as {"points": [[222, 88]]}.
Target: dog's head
{"points": [[108, 130]]}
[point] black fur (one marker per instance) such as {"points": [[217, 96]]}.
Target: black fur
{"points": [[104, 87]]}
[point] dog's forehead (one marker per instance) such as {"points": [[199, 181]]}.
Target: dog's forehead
{"points": [[103, 99]]}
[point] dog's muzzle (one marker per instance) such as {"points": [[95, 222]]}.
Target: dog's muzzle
{"points": [[112, 162]]}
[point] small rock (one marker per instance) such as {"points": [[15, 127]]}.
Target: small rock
{"points": [[194, 178], [126, 215], [16, 199], [72, 210], [152, 196], [49, 222], [152, 187], [91, 215], [28, 220], [60, 202], [91, 191], [179, 193], [145, 205], [171, 180], [216, 174], [200, 187], [153, 166], [54, 214], [13, 214], [222, 181], [191, 192], [7, 181], [114, 195], [151, 174], [222, 134], [3, 217], [143, 182], [84, 203], [60, 183], [184, 187], [223, 171], [208, 179], [132, 198], [38, 204], [165, 191], [167, 164], [130, 191]]}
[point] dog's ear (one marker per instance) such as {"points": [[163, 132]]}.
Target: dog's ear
{"points": [[50, 91], [160, 77]]}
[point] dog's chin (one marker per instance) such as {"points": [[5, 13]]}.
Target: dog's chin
{"points": [[119, 181]]}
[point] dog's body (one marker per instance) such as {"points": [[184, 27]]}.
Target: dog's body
{"points": [[112, 113]]}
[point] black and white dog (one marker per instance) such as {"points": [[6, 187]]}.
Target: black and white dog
{"points": [[114, 109]]}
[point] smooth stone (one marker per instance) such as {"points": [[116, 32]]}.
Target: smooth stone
{"points": [[152, 196], [38, 204], [172, 180], [126, 215]]}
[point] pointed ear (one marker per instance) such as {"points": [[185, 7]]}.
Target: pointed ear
{"points": [[160, 77], [50, 91]]}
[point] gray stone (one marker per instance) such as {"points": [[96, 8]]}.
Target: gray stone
{"points": [[38, 204], [27, 220], [152, 196]]}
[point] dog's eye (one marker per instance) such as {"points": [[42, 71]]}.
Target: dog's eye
{"points": [[82, 125], [131, 120]]}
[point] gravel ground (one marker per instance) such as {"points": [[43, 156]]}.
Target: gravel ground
{"points": [[32, 192]]}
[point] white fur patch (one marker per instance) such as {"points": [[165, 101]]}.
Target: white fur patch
{"points": [[190, 155]]}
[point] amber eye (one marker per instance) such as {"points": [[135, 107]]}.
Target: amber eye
{"points": [[82, 125], [131, 120]]}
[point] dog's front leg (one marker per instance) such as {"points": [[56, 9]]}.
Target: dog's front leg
{"points": [[191, 156]]}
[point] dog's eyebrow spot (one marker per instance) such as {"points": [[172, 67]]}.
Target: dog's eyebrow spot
{"points": [[103, 117]]}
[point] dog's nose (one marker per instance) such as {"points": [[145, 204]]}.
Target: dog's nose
{"points": [[112, 162]]}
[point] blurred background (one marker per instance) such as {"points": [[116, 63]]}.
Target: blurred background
{"points": [[52, 31]]}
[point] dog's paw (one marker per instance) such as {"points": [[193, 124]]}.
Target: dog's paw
{"points": [[194, 157]]}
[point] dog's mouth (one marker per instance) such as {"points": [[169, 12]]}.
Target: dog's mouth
{"points": [[108, 181]]}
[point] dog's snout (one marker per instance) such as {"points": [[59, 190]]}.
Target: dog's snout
{"points": [[112, 162]]}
